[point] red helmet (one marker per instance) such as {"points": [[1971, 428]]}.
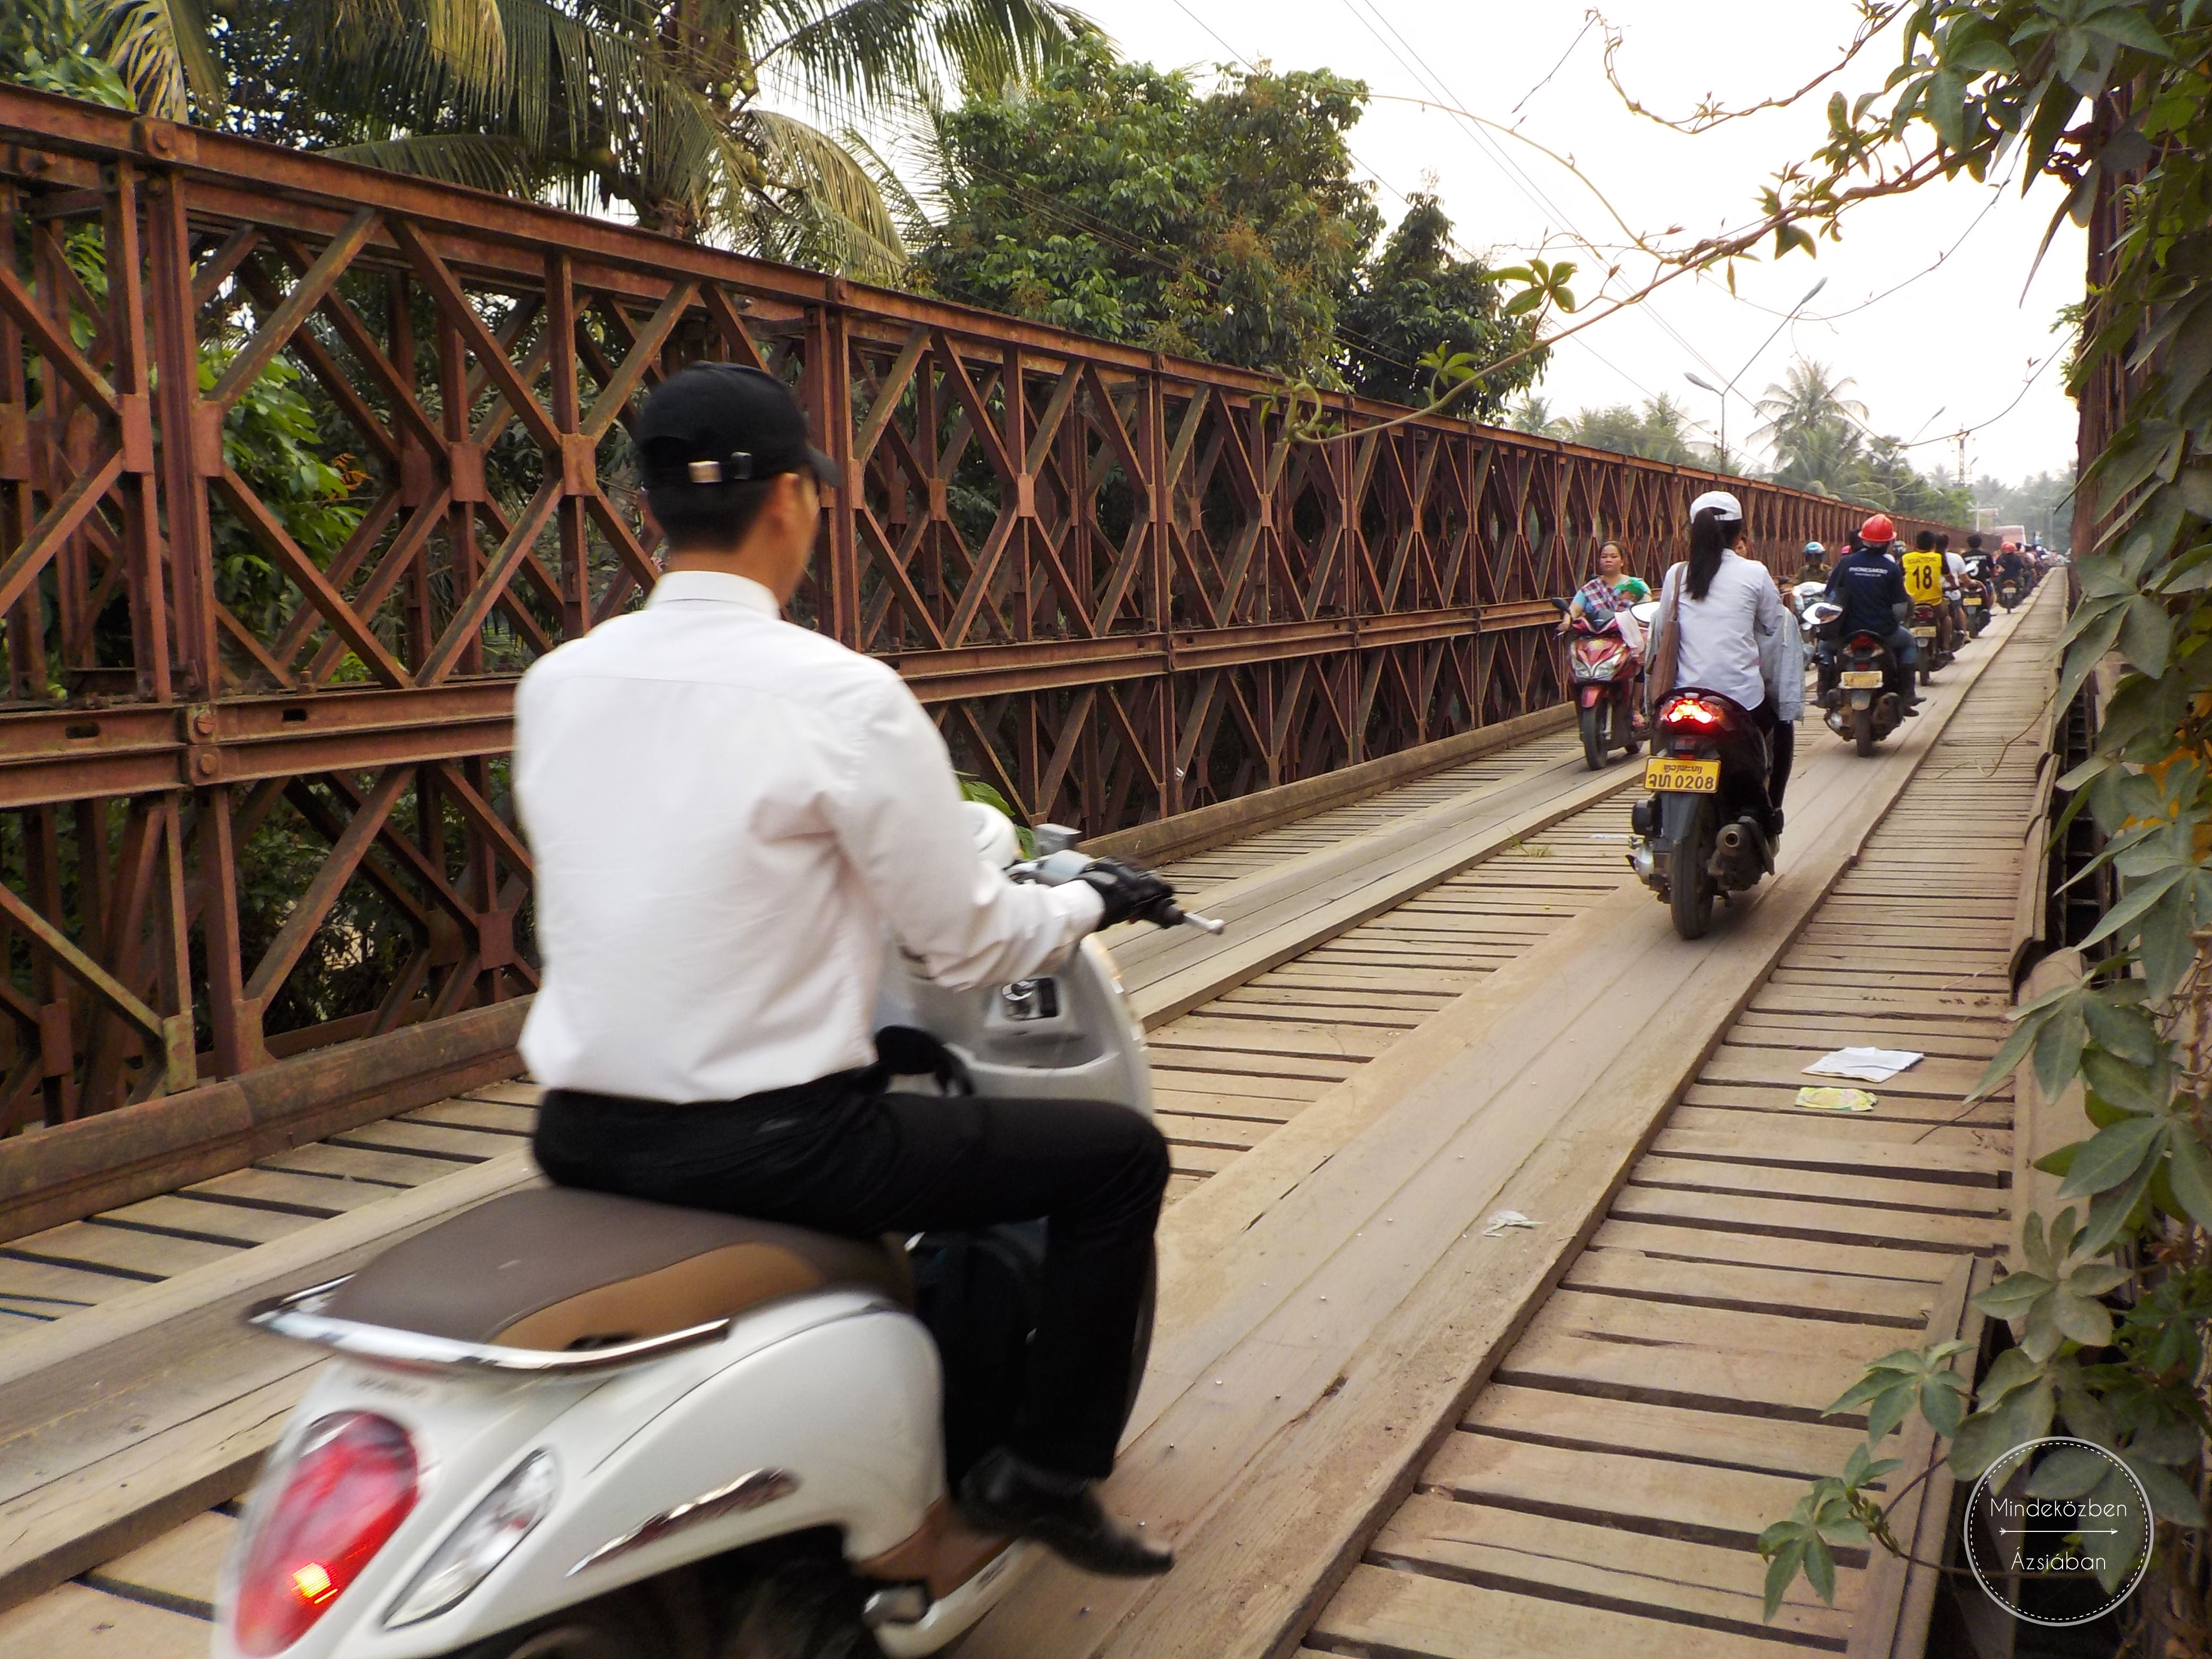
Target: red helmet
{"points": [[1878, 530], [2009, 547]]}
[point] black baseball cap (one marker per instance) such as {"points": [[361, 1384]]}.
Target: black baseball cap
{"points": [[724, 423]]}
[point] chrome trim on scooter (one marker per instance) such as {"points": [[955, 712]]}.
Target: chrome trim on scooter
{"points": [[750, 1491], [296, 1316]]}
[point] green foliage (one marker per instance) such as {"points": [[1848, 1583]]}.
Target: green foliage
{"points": [[1417, 303], [652, 103], [48, 44], [1836, 1512], [2108, 1311], [1115, 199], [272, 438], [1660, 431]]}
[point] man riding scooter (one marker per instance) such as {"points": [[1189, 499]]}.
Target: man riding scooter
{"points": [[1924, 584], [1870, 586], [728, 813]]}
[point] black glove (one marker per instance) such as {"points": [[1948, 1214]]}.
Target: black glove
{"points": [[1131, 894]]}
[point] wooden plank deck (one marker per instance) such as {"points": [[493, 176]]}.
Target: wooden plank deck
{"points": [[1664, 1405]]}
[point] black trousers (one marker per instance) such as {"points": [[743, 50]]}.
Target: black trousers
{"points": [[840, 1155], [1780, 749]]}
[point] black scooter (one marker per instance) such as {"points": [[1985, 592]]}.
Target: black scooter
{"points": [[1701, 833]]}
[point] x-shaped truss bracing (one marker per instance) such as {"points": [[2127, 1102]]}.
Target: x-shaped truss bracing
{"points": [[302, 466]]}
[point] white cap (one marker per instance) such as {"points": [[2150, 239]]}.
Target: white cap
{"points": [[1725, 506]]}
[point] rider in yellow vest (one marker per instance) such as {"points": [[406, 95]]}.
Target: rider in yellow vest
{"points": [[1923, 581]]}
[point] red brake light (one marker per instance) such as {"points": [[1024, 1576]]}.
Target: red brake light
{"points": [[1692, 711], [348, 1489]]}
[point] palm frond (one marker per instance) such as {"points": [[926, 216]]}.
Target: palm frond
{"points": [[905, 207], [465, 39], [823, 208], [852, 57], [474, 160], [160, 48]]}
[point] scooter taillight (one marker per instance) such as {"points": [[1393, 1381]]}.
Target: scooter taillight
{"points": [[1693, 714], [348, 1489]]}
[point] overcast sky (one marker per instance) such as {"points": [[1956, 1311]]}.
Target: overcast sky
{"points": [[1929, 349]]}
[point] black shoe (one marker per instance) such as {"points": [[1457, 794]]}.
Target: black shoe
{"points": [[1912, 709], [1010, 1496]]}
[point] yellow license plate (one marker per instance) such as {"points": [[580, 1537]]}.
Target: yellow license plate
{"points": [[1862, 679], [1689, 777], [1974, 605], [1924, 633]]}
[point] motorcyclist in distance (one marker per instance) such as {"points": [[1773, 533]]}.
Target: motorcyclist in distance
{"points": [[1814, 567], [728, 813], [1870, 585], [2011, 566], [1924, 583], [1955, 584]]}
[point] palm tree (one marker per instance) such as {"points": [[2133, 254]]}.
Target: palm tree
{"points": [[1826, 458], [1534, 414], [663, 106], [1807, 399]]}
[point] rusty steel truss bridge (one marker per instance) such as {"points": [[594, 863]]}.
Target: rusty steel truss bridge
{"points": [[1123, 589]]}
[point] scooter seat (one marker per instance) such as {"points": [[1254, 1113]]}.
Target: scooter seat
{"points": [[560, 1269]]}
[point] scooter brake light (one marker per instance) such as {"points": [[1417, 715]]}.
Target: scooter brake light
{"points": [[351, 1483], [1693, 711], [480, 1543]]}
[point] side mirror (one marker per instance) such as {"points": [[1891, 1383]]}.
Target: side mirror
{"points": [[1054, 838], [1563, 605]]}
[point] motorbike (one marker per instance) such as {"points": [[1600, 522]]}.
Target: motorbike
{"points": [[2009, 591], [1976, 597], [1602, 669], [570, 1424], [1808, 594], [1856, 688], [1928, 633], [1701, 831]]}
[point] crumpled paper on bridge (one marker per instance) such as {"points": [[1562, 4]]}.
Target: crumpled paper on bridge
{"points": [[1868, 1065], [1823, 1099]]}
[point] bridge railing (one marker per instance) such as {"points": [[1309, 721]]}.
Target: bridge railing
{"points": [[252, 793]]}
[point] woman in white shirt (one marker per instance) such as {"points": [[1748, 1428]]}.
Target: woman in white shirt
{"points": [[1721, 605]]}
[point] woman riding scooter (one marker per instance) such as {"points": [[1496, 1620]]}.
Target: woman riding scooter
{"points": [[1718, 607], [1605, 597]]}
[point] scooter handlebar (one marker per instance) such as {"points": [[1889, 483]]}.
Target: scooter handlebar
{"points": [[1204, 924]]}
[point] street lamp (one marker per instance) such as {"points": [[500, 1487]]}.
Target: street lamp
{"points": [[1700, 381], [1789, 318]]}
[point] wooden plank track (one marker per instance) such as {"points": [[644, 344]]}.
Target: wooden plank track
{"points": [[1333, 1300], [1664, 1404]]}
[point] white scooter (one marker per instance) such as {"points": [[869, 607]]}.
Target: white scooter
{"points": [[568, 1425]]}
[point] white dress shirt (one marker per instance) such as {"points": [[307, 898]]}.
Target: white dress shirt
{"points": [[1718, 645], [728, 815]]}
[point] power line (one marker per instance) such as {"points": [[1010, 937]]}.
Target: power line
{"points": [[1253, 67], [1520, 180], [1453, 106]]}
